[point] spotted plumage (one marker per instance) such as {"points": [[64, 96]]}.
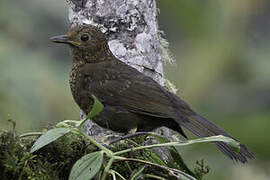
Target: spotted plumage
{"points": [[132, 101]]}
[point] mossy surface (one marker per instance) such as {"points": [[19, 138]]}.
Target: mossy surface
{"points": [[55, 160]]}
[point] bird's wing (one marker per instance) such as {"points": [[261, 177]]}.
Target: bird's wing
{"points": [[118, 84]]}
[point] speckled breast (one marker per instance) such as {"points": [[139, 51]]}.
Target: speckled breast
{"points": [[80, 95]]}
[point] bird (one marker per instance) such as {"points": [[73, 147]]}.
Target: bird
{"points": [[133, 102]]}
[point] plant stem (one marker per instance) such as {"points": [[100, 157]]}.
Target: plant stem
{"points": [[154, 177], [146, 147], [31, 134], [107, 169], [233, 143], [100, 146], [172, 171], [82, 122], [115, 172]]}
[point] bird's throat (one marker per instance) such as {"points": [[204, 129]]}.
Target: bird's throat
{"points": [[91, 55]]}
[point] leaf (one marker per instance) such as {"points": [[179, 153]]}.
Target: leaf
{"points": [[220, 138], [96, 109], [233, 143], [137, 174], [150, 155], [87, 167], [179, 161], [185, 176], [49, 137], [176, 157]]}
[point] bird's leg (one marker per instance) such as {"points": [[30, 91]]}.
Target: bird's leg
{"points": [[132, 131], [118, 137], [107, 138], [129, 136]]}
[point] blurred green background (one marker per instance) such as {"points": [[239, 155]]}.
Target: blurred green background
{"points": [[222, 53]]}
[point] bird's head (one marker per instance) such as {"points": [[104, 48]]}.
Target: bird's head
{"points": [[86, 41]]}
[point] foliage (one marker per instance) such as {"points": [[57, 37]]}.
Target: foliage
{"points": [[35, 92], [64, 152], [52, 162]]}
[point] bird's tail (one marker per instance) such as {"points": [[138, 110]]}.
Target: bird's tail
{"points": [[201, 127]]}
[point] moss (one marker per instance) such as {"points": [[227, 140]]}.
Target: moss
{"points": [[55, 160], [17, 163], [51, 162]]}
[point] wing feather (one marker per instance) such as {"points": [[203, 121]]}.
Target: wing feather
{"points": [[111, 83]]}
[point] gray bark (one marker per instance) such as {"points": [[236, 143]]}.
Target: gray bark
{"points": [[132, 30]]}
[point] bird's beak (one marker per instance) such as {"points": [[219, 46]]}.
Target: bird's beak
{"points": [[64, 39], [60, 39]]}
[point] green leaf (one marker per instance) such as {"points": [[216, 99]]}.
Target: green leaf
{"points": [[137, 174], [96, 109], [185, 176], [150, 155], [49, 137], [220, 138], [87, 167], [176, 157], [233, 143]]}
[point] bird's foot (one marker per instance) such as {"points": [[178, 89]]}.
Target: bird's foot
{"points": [[109, 138], [132, 131], [129, 136]]}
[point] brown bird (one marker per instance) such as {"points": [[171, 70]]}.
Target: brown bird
{"points": [[132, 101]]}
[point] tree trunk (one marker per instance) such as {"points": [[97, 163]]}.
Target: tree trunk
{"points": [[132, 30]]}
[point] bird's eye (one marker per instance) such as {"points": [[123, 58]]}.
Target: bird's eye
{"points": [[84, 37]]}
